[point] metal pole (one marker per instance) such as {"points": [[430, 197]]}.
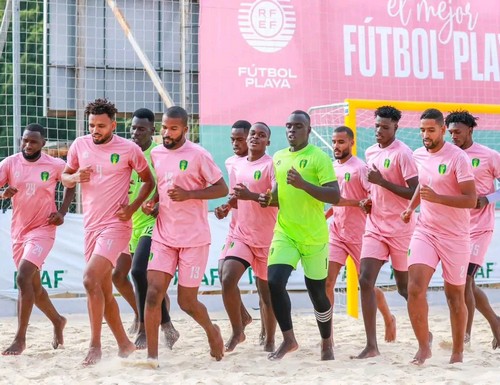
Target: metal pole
{"points": [[45, 56], [4, 28], [16, 72], [184, 10], [80, 81]]}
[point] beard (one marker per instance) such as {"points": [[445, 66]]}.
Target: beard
{"points": [[173, 142], [33, 156], [343, 155]]}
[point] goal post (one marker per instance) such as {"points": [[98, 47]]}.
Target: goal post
{"points": [[358, 114]]}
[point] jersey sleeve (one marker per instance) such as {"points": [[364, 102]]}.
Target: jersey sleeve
{"points": [[363, 176], [72, 158], [4, 172], [463, 168], [496, 164], [408, 165], [326, 173], [137, 159], [209, 169], [60, 166]]}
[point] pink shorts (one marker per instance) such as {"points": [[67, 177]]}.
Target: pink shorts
{"points": [[479, 243], [255, 256], [34, 250], [108, 243], [453, 253], [338, 252], [379, 247], [190, 262]]}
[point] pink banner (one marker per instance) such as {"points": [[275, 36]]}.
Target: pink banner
{"points": [[261, 59]]}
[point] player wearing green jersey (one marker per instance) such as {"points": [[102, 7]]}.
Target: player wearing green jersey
{"points": [[142, 131], [304, 180]]}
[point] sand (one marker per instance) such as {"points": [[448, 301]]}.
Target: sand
{"points": [[189, 362]]}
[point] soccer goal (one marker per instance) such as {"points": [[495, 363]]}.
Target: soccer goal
{"points": [[358, 114]]}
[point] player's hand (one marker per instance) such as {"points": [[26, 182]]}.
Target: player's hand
{"points": [[428, 194], [9, 192], [148, 207], [366, 205], [178, 194], [222, 211], [375, 176], [406, 215], [481, 202], [265, 199], [242, 192], [155, 211], [295, 179], [83, 174], [55, 219], [125, 212]]}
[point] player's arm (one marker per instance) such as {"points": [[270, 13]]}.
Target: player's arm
{"points": [[412, 206], [348, 202], [71, 177], [148, 184], [488, 199], [9, 192], [269, 198], [243, 193], [466, 200], [217, 190], [328, 192], [406, 192]]}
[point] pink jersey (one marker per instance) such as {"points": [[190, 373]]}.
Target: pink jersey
{"points": [[396, 165], [35, 198], [485, 164], [255, 225], [191, 167], [348, 223], [230, 163], [112, 164], [443, 171]]}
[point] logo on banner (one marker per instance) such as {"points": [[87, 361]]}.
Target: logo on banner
{"points": [[267, 25]]}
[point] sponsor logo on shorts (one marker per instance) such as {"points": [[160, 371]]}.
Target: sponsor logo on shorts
{"points": [[183, 165], [387, 163], [475, 162], [442, 169], [44, 176], [115, 158], [257, 174], [347, 176], [303, 163], [150, 257]]}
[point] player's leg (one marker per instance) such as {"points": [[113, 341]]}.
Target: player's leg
{"points": [[484, 307], [124, 286], [470, 300], [232, 271], [458, 317]]}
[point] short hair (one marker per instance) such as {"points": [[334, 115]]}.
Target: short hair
{"points": [[243, 124], [101, 106], [461, 116], [265, 125], [345, 129], [388, 112], [300, 112], [177, 112], [433, 113], [35, 127], [144, 113]]}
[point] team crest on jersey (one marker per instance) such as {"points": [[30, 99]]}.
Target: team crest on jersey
{"points": [[303, 163], [387, 163], [475, 162], [183, 165], [347, 176], [114, 158], [257, 175], [278, 162], [44, 176], [442, 169]]}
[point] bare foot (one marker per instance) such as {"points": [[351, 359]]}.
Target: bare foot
{"points": [[234, 340], [390, 330], [58, 340], [456, 358], [246, 319], [262, 337], [269, 345], [93, 356], [16, 348], [126, 350], [170, 333], [216, 343], [496, 335], [287, 346], [135, 327], [327, 349], [423, 353], [140, 340], [368, 352]]}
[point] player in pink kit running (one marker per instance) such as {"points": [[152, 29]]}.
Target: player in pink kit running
{"points": [[393, 177], [486, 168], [102, 163], [32, 177], [442, 232], [252, 235], [348, 223], [187, 178]]}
